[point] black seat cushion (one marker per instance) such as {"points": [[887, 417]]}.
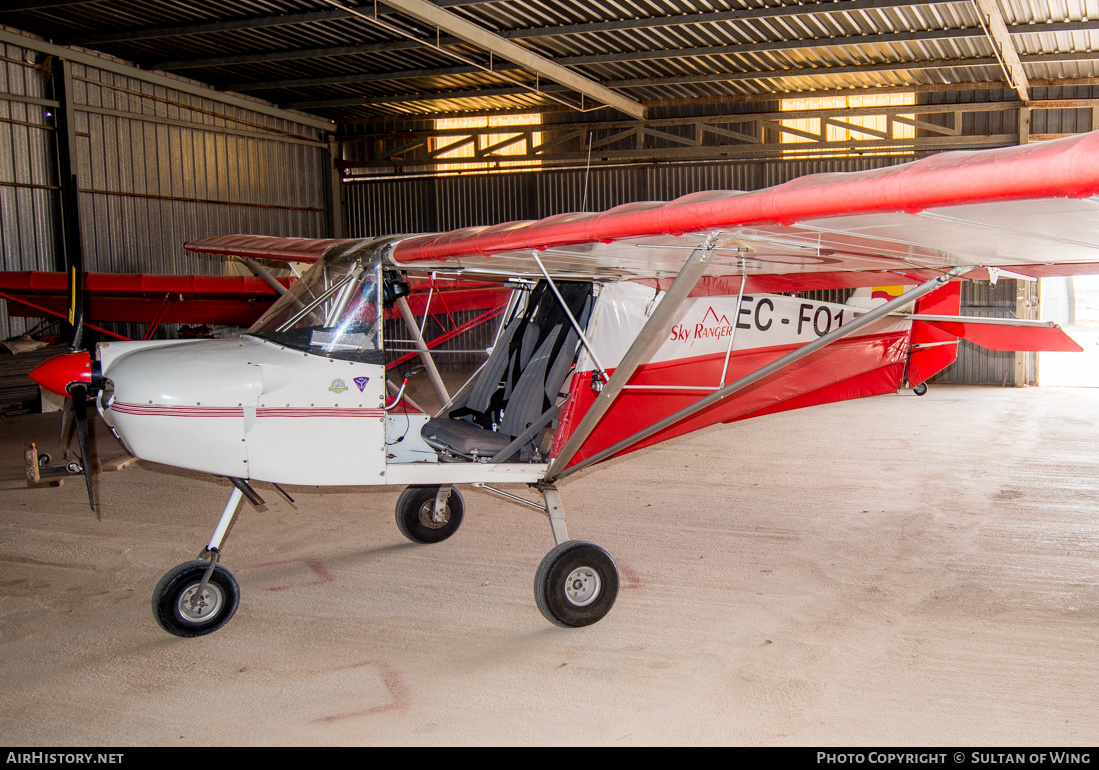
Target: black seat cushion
{"points": [[463, 438]]}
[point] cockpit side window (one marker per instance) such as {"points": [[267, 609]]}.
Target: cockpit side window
{"points": [[334, 310]]}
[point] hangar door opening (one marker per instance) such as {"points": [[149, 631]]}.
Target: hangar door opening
{"points": [[1074, 303]]}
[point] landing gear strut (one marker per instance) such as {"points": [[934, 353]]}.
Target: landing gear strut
{"points": [[199, 597], [577, 582]]}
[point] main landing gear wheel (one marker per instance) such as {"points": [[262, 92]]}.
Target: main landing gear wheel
{"points": [[576, 584], [920, 389], [416, 514], [180, 609]]}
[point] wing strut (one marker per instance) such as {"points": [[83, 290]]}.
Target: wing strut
{"points": [[263, 274], [688, 276], [575, 324], [425, 353], [557, 470]]}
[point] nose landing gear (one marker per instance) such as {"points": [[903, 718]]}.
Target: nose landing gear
{"points": [[195, 598], [199, 597]]}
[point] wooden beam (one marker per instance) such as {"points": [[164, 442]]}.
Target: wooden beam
{"points": [[445, 21], [996, 29]]}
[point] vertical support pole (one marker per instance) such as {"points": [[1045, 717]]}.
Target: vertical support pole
{"points": [[337, 218], [1024, 125], [67, 210], [1023, 310]]}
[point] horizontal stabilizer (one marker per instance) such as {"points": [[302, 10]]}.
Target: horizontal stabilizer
{"points": [[1006, 334]]}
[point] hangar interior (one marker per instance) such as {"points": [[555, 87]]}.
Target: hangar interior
{"points": [[329, 118], [128, 127]]}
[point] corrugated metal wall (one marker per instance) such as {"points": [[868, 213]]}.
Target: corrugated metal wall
{"points": [[28, 184], [445, 203], [156, 167], [976, 365]]}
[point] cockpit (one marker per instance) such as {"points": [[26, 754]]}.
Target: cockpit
{"points": [[335, 310]]}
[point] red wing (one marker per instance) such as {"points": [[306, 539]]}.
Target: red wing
{"points": [[142, 298], [1027, 209], [203, 299]]}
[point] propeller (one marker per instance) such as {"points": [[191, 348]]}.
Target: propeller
{"points": [[74, 375]]}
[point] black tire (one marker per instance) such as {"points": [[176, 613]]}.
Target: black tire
{"points": [[43, 460], [576, 584], [415, 509], [920, 389], [176, 615]]}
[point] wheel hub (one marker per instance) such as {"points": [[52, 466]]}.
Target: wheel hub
{"points": [[428, 518], [197, 608], [582, 586]]}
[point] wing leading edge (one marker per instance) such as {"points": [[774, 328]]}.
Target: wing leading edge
{"points": [[1017, 207]]}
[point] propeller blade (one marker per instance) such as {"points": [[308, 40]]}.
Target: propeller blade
{"points": [[76, 306], [66, 424], [80, 411]]}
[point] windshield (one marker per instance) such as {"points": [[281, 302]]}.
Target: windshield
{"points": [[334, 310]]}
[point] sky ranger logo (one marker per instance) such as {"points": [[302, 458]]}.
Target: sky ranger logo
{"points": [[714, 326]]}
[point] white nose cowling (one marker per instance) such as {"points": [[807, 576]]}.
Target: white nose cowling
{"points": [[184, 404]]}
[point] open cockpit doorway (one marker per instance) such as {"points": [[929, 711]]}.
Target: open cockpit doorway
{"points": [[1072, 302]]}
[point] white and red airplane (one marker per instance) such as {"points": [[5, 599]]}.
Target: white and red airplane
{"points": [[624, 329]]}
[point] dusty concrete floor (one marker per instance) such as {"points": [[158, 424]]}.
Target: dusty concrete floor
{"points": [[892, 571]]}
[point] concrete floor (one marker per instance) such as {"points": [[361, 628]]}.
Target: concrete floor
{"points": [[892, 571]]}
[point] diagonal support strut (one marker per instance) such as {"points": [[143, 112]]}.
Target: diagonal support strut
{"points": [[556, 471], [688, 277]]}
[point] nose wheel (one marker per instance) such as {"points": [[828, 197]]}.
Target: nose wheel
{"points": [[199, 597], [187, 603], [429, 514]]}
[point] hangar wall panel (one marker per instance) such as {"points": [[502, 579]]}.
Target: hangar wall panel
{"points": [[28, 184], [156, 167], [159, 167]]}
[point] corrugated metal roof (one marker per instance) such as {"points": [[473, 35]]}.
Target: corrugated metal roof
{"points": [[317, 55]]}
